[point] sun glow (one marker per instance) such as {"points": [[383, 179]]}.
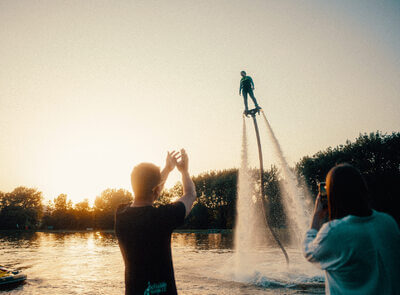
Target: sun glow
{"points": [[82, 161]]}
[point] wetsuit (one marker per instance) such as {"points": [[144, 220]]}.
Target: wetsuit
{"points": [[246, 87]]}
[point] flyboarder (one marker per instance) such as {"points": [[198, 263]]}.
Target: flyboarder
{"points": [[247, 87]]}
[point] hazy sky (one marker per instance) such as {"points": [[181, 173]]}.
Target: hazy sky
{"points": [[88, 89]]}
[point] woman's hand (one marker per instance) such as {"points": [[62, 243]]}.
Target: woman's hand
{"points": [[320, 214]]}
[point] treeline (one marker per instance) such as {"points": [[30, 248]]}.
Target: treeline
{"points": [[23, 208], [215, 207], [61, 214], [377, 156]]}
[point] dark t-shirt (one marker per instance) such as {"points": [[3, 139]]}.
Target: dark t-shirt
{"points": [[246, 83], [144, 236]]}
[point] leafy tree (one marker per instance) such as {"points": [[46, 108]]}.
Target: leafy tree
{"points": [[22, 208], [83, 215], [170, 195], [216, 191], [60, 216], [274, 211], [62, 204], [106, 204]]}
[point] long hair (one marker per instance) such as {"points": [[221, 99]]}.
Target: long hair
{"points": [[347, 192]]}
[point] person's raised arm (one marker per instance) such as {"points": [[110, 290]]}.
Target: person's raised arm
{"points": [[189, 190], [321, 244], [320, 214]]}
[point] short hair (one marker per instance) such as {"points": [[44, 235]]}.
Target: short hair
{"points": [[243, 72], [347, 192], [144, 178]]}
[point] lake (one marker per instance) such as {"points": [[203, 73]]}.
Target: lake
{"points": [[90, 263]]}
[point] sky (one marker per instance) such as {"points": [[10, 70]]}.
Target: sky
{"points": [[88, 89]]}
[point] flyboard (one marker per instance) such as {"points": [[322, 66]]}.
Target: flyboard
{"points": [[253, 113]]}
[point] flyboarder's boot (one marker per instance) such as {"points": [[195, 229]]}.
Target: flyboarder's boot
{"points": [[246, 113]]}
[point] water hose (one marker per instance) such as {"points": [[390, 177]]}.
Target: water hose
{"points": [[263, 205]]}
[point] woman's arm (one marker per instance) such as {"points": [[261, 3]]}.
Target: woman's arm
{"points": [[320, 214], [319, 243]]}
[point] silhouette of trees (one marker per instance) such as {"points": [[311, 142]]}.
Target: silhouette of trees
{"points": [[21, 208], [376, 155], [62, 214], [84, 217], [216, 202], [106, 204]]}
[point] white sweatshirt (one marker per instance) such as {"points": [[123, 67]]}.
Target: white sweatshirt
{"points": [[360, 255]]}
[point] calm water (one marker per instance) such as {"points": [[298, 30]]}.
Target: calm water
{"points": [[90, 263]]}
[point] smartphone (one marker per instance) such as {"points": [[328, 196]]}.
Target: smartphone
{"points": [[322, 188], [323, 194]]}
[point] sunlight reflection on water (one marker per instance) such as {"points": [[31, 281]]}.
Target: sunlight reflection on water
{"points": [[90, 263]]}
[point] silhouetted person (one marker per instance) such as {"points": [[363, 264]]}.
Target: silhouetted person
{"points": [[359, 247], [247, 87], [144, 232]]}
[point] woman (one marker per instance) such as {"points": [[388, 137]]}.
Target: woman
{"points": [[358, 248]]}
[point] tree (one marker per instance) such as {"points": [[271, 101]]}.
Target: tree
{"points": [[83, 215], [22, 208], [274, 211], [216, 191], [62, 204], [61, 217], [106, 204]]}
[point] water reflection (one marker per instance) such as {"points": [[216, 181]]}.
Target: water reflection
{"points": [[26, 239], [203, 241], [22, 239]]}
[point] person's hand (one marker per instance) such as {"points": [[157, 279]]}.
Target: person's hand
{"points": [[171, 160], [183, 164], [240, 94], [253, 88], [320, 214]]}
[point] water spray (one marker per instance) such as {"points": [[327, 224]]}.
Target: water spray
{"points": [[253, 114], [293, 196]]}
